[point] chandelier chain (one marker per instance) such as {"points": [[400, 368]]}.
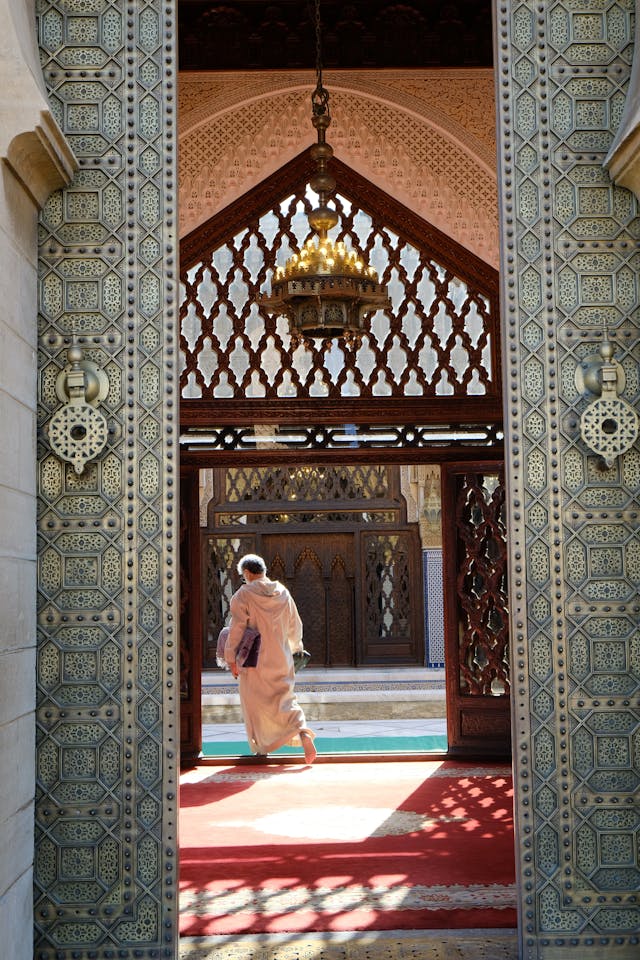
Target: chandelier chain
{"points": [[325, 290], [320, 96]]}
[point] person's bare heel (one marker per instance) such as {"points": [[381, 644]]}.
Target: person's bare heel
{"points": [[310, 752]]}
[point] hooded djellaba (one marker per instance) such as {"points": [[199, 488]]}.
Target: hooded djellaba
{"points": [[273, 718]]}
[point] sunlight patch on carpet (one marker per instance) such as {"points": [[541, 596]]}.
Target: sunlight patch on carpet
{"points": [[344, 822], [336, 847], [270, 901]]}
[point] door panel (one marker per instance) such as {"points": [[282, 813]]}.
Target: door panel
{"points": [[391, 598], [341, 616], [190, 620], [338, 537], [318, 570], [476, 613]]}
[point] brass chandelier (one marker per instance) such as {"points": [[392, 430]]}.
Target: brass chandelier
{"points": [[326, 290]]}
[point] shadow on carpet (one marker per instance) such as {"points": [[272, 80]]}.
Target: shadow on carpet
{"points": [[395, 845]]}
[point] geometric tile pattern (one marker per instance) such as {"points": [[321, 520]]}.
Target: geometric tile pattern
{"points": [[433, 606], [105, 853], [571, 277]]}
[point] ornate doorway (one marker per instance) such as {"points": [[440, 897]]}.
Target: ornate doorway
{"points": [[320, 569], [343, 547], [259, 407]]}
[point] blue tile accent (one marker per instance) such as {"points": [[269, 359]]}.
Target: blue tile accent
{"points": [[433, 607]]}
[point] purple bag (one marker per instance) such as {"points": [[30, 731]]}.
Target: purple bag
{"points": [[246, 652]]}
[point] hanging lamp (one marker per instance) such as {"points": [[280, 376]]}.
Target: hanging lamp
{"points": [[326, 290]]}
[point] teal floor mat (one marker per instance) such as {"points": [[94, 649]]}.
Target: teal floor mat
{"points": [[337, 746]]}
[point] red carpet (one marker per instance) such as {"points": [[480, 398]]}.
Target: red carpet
{"points": [[373, 846]]}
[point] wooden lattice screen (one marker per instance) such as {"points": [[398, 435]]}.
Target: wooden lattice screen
{"points": [[338, 536], [476, 607], [439, 341]]}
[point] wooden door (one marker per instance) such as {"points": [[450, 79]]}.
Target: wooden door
{"points": [[391, 598], [338, 537], [319, 571], [190, 621], [476, 613]]}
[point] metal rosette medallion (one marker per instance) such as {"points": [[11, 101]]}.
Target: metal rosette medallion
{"points": [[78, 433], [609, 427]]}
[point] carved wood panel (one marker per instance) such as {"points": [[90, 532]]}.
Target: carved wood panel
{"points": [[440, 339], [476, 608], [241, 35], [341, 614], [309, 563], [331, 533], [190, 598], [391, 598]]}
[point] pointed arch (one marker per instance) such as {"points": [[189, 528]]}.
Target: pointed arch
{"points": [[433, 358], [423, 136]]}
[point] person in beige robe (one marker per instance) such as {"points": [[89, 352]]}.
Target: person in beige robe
{"points": [[273, 717]]}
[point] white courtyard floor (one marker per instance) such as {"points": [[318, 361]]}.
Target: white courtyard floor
{"points": [[341, 703], [225, 732]]}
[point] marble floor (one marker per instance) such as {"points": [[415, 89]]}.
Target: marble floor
{"points": [[318, 690], [384, 945], [225, 732]]}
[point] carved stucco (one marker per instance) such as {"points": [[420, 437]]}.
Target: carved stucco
{"points": [[426, 138], [420, 484], [206, 495]]}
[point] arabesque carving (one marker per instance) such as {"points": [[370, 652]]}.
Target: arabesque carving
{"points": [[570, 280], [425, 141], [108, 661]]}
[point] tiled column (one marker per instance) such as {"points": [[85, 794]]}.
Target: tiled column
{"points": [[35, 161]]}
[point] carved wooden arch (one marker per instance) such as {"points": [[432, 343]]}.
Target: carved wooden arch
{"points": [[387, 214], [308, 555], [278, 568], [247, 208]]}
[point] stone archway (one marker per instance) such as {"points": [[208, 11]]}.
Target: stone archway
{"points": [[105, 806]]}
